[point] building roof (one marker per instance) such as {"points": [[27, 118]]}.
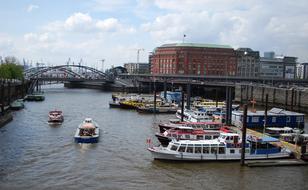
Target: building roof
{"points": [[197, 45]]}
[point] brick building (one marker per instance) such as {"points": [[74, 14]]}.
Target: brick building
{"points": [[194, 59]]}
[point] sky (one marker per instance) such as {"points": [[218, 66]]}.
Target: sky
{"points": [[113, 30]]}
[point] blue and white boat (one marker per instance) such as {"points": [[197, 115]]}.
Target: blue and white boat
{"points": [[87, 132], [226, 147], [275, 118]]}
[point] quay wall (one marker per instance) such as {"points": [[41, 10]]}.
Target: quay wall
{"points": [[295, 99]]}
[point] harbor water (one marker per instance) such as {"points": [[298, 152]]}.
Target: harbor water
{"points": [[35, 155]]}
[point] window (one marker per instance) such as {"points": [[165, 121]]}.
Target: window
{"points": [[174, 147], [221, 150], [190, 149], [273, 119], [199, 137], [182, 148], [214, 150], [254, 119], [198, 148], [232, 151], [187, 136], [299, 119], [206, 150], [288, 119], [207, 137]]}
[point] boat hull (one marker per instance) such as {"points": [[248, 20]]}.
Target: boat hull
{"points": [[176, 156], [114, 105], [86, 139], [164, 141]]}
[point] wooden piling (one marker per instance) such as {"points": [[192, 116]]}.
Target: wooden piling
{"points": [[188, 95], [182, 106], [244, 135]]}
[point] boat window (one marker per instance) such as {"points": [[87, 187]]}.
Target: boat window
{"points": [[221, 150], [206, 150], [299, 119], [182, 148], [215, 136], [213, 150], [254, 119], [273, 119], [288, 119], [190, 149], [174, 135], [173, 147], [227, 138], [207, 137], [246, 150], [187, 136], [232, 151], [199, 137], [198, 150]]}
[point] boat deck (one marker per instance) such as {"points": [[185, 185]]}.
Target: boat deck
{"points": [[294, 148]]}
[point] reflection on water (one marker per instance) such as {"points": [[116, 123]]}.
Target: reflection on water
{"points": [[39, 156]]}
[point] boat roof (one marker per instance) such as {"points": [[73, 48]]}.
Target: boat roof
{"points": [[279, 128], [264, 139], [214, 141], [271, 112]]}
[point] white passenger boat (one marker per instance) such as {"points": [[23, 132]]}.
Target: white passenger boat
{"points": [[194, 116], [226, 147], [87, 132]]}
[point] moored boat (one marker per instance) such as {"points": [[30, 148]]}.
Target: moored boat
{"points": [[87, 132], [186, 133], [55, 117], [17, 104], [226, 147], [167, 108], [35, 97], [201, 125]]}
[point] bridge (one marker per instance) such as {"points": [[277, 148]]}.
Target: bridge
{"points": [[66, 73], [213, 80]]}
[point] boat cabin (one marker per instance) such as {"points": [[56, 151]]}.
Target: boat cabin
{"points": [[275, 118]]}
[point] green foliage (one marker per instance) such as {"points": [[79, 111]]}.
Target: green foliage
{"points": [[10, 69]]}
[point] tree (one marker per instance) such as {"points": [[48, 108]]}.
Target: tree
{"points": [[11, 69]]}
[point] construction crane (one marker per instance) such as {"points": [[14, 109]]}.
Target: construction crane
{"points": [[102, 60]]}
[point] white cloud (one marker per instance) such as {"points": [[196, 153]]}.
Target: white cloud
{"points": [[31, 8]]}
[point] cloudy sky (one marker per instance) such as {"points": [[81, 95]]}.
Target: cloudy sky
{"points": [[113, 30]]}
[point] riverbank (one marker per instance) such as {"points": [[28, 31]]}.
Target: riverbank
{"points": [[5, 118]]}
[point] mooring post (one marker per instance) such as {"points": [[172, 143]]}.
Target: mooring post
{"points": [[292, 98], [165, 89], [227, 104], [230, 106], [182, 106], [154, 98], [244, 135], [188, 95], [265, 113], [286, 100], [216, 97]]}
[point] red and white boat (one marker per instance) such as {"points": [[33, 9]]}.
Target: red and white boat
{"points": [[196, 125], [186, 133], [55, 117]]}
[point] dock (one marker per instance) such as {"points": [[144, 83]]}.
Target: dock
{"points": [[272, 163], [296, 150]]}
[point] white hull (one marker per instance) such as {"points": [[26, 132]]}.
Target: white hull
{"points": [[161, 154]]}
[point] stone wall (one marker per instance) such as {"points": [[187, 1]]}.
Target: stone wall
{"points": [[288, 98]]}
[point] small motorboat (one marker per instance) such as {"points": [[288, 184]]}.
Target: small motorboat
{"points": [[55, 117], [87, 132]]}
